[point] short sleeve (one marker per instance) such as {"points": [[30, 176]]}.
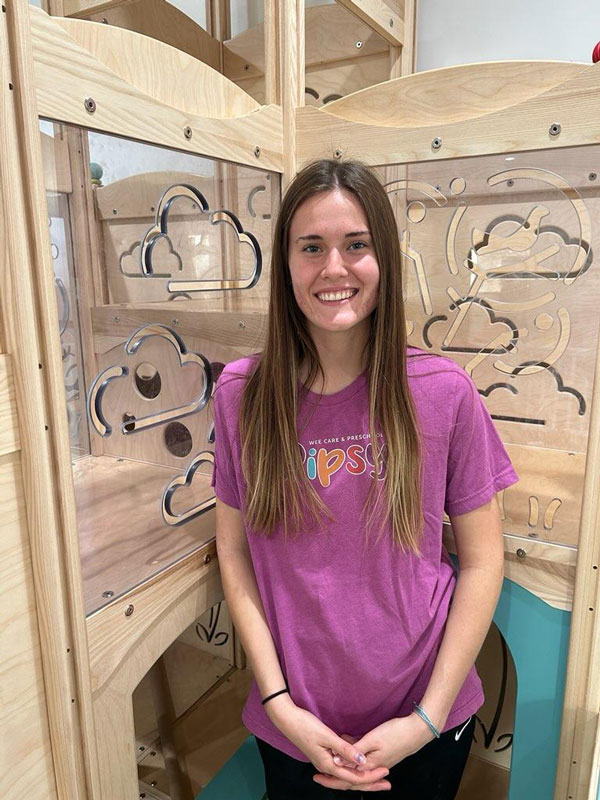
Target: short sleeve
{"points": [[224, 480], [478, 464]]}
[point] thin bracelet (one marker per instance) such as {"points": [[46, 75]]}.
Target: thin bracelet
{"points": [[425, 717], [275, 694]]}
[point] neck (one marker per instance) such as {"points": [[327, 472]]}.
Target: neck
{"points": [[342, 358]]}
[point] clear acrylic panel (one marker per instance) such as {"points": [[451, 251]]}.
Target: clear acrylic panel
{"points": [[499, 275], [169, 237]]}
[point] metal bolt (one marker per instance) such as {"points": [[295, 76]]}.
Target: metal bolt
{"points": [[257, 151], [521, 553], [129, 610], [90, 105], [116, 319], [436, 143], [104, 21], [115, 211], [391, 23], [108, 593], [510, 182], [241, 324], [152, 783], [141, 748], [359, 44], [592, 176], [555, 129], [533, 535], [175, 321], [337, 154], [187, 132], [246, 67], [207, 558]]}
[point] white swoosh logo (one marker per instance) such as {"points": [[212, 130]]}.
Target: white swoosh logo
{"points": [[459, 733]]}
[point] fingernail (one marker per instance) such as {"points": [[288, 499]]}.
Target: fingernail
{"points": [[337, 760], [359, 758]]}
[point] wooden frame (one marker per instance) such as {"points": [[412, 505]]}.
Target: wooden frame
{"points": [[426, 117]]}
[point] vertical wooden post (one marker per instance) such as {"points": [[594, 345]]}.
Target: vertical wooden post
{"points": [[582, 690], [31, 325], [402, 59], [291, 55]]}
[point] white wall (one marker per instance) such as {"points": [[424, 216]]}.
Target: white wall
{"points": [[465, 31]]}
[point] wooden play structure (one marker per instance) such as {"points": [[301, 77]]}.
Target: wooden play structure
{"points": [[126, 286]]}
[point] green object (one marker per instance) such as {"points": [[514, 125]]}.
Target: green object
{"points": [[96, 172], [242, 777]]}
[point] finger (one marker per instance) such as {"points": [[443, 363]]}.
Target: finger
{"points": [[352, 776], [329, 782], [347, 751]]}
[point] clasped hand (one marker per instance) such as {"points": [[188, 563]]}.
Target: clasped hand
{"points": [[383, 747], [342, 761]]}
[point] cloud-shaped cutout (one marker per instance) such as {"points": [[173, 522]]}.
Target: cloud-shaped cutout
{"points": [[160, 228], [115, 372], [226, 284], [130, 260], [185, 481]]}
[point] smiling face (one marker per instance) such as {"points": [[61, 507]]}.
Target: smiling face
{"points": [[332, 262]]}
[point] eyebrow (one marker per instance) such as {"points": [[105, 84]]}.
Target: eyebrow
{"points": [[314, 236]]}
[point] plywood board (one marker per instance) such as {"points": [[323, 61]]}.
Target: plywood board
{"points": [[25, 750], [9, 423]]}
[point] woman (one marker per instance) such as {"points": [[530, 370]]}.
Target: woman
{"points": [[337, 451]]}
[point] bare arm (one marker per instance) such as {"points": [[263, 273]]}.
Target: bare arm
{"points": [[478, 537], [301, 727]]}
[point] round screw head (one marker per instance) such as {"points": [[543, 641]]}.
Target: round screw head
{"points": [[108, 593], [592, 176], [257, 151], [555, 129], [90, 105], [207, 558], [241, 324], [175, 321], [358, 45], [187, 132], [337, 154], [436, 143], [129, 610], [521, 553]]}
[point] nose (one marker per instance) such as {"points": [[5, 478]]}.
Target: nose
{"points": [[334, 265]]}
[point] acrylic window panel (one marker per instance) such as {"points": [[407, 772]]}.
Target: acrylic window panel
{"points": [[499, 275], [147, 361]]}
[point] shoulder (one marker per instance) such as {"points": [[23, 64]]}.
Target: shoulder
{"points": [[439, 386], [232, 380], [433, 371]]}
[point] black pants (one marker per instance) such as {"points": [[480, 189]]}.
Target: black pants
{"points": [[432, 773]]}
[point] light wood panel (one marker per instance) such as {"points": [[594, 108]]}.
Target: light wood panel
{"points": [[291, 63], [28, 298], [9, 425], [523, 126], [159, 20], [57, 169], [144, 96], [380, 16], [25, 749], [123, 647], [331, 35]]}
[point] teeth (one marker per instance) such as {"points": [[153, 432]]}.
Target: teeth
{"points": [[336, 295]]}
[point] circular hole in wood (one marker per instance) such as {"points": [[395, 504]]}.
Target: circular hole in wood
{"points": [[147, 380], [416, 211], [458, 185], [178, 439]]}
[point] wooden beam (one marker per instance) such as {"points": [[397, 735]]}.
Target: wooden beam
{"points": [[380, 17], [291, 68], [29, 312]]}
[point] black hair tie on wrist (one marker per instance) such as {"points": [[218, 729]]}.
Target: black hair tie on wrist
{"points": [[275, 694]]}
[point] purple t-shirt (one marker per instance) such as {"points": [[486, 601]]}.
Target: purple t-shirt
{"points": [[357, 624]]}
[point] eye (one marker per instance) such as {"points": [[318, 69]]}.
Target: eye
{"points": [[310, 248], [357, 245]]}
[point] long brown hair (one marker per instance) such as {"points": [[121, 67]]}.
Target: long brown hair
{"points": [[279, 492]]}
